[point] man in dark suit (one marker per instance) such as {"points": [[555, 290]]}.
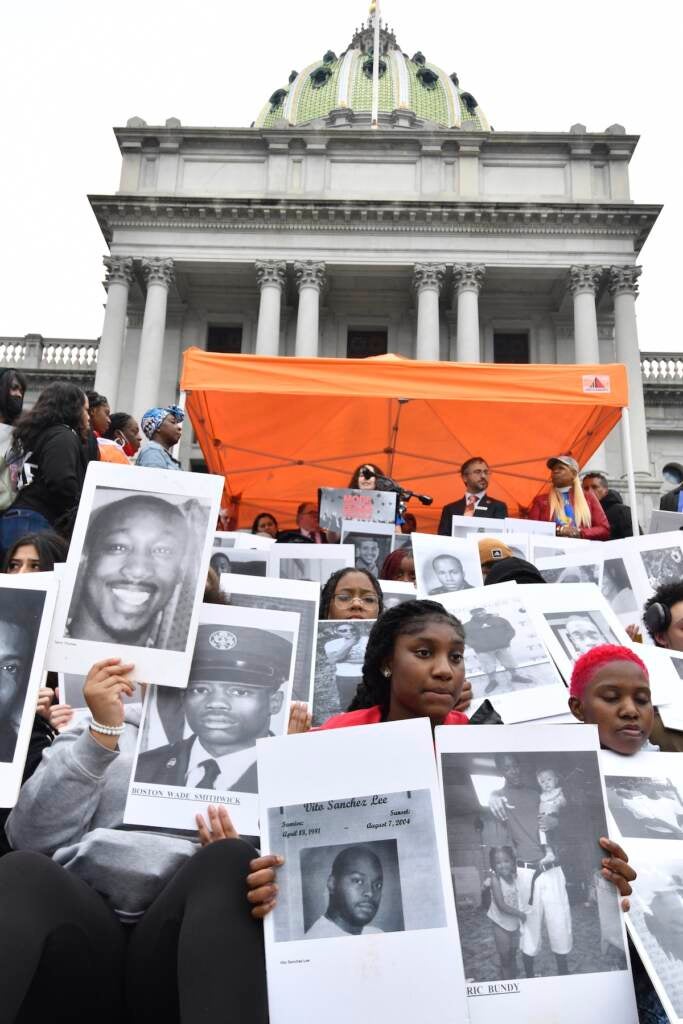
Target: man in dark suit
{"points": [[476, 502], [307, 527], [672, 501], [234, 688]]}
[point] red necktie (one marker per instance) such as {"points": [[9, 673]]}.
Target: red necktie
{"points": [[471, 504]]}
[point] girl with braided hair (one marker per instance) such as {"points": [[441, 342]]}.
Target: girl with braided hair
{"points": [[414, 667]]}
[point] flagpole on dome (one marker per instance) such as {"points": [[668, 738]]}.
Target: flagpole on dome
{"points": [[374, 11]]}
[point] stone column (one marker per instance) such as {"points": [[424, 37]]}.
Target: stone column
{"points": [[583, 284], [310, 279], [271, 280], [623, 286], [159, 276], [427, 281], [469, 278], [117, 282]]}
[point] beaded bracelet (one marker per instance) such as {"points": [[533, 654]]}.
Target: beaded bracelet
{"points": [[108, 730]]}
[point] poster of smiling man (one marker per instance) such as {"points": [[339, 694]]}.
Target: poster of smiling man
{"points": [[239, 691], [136, 571], [27, 604]]}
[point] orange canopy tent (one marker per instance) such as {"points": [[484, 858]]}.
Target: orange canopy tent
{"points": [[278, 428]]}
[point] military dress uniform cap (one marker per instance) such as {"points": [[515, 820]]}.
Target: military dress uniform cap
{"points": [[241, 654]]}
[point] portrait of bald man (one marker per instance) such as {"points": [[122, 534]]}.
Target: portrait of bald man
{"points": [[354, 894]]}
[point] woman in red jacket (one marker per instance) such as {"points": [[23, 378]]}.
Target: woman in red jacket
{"points": [[575, 513]]}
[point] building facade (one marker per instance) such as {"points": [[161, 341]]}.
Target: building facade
{"points": [[431, 236]]}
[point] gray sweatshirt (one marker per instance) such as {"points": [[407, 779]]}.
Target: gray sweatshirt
{"points": [[72, 808]]}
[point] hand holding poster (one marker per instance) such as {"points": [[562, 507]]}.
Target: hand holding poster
{"points": [[357, 816]]}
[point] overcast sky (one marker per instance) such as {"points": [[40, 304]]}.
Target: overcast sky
{"points": [[72, 69]]}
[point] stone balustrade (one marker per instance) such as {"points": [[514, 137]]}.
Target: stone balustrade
{"points": [[662, 367], [33, 352]]}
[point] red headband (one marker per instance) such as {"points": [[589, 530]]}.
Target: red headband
{"points": [[588, 664]]}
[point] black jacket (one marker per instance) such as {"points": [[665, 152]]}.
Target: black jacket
{"points": [[618, 515], [489, 507], [56, 468], [168, 766], [669, 501]]}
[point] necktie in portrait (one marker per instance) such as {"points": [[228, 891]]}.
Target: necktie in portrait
{"points": [[211, 773]]}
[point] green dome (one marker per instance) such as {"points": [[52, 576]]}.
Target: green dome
{"points": [[407, 84]]}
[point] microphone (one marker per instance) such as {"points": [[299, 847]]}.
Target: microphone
{"points": [[385, 483]]}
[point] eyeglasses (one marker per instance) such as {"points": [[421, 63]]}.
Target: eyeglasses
{"points": [[367, 600]]}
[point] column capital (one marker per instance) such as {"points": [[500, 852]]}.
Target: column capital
{"points": [[271, 272], [584, 278], [468, 277], [158, 271], [428, 276], [310, 275], [119, 270], [624, 280]]}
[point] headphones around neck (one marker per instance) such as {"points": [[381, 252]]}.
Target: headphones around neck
{"points": [[657, 618]]}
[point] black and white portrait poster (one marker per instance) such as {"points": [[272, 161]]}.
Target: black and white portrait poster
{"points": [[541, 931], [645, 795], [372, 542], [284, 596], [312, 562], [340, 652], [247, 562], [136, 571], [339, 503], [655, 921], [364, 894], [445, 565], [239, 691], [573, 619], [395, 592], [27, 605], [577, 567], [603, 564], [654, 560], [506, 659], [551, 546]]}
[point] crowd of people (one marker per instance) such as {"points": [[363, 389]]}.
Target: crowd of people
{"points": [[97, 919]]}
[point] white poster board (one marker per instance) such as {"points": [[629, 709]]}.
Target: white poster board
{"points": [[136, 571], [239, 690], [312, 562], [297, 596], [361, 800], [463, 526], [506, 659], [501, 784], [645, 798], [531, 526], [395, 592], [549, 547], [654, 560], [27, 606]]}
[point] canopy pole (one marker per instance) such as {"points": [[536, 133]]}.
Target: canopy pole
{"points": [[628, 460], [374, 9], [182, 403]]}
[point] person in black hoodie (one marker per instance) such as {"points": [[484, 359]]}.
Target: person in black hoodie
{"points": [[618, 514], [51, 440]]}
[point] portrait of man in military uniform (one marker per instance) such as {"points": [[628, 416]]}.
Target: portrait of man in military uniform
{"points": [[236, 685]]}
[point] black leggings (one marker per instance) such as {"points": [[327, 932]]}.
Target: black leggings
{"points": [[196, 955]]}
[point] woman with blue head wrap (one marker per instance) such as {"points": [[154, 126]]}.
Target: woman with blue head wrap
{"points": [[162, 427]]}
